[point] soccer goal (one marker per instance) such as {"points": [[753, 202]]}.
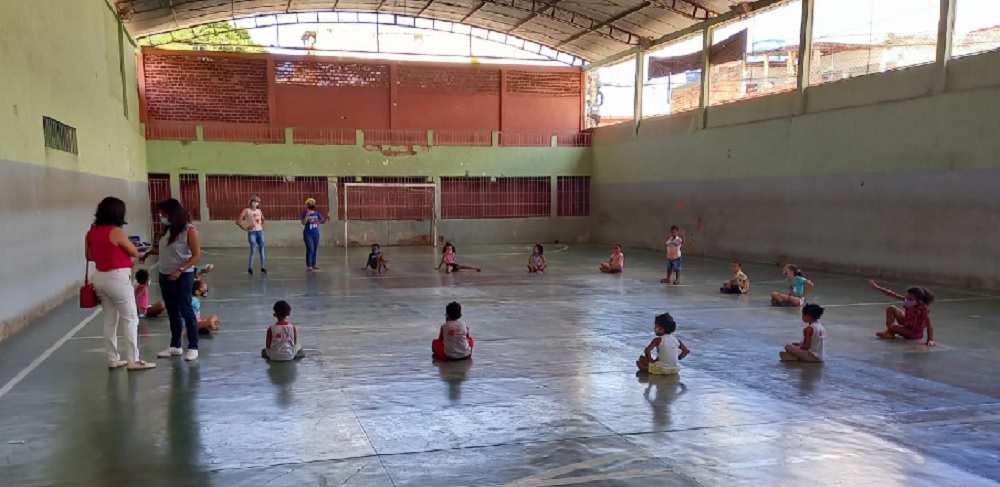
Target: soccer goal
{"points": [[406, 208]]}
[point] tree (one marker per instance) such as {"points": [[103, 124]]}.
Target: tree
{"points": [[217, 36]]}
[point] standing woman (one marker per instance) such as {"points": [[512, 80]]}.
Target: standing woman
{"points": [[108, 246], [179, 251], [311, 220], [252, 220]]}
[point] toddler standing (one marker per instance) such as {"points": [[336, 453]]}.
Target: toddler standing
{"points": [[674, 244]]}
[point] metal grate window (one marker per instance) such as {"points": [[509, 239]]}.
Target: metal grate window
{"points": [[59, 136]]}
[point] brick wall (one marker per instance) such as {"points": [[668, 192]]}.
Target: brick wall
{"points": [[560, 84], [450, 79], [315, 73], [206, 89]]}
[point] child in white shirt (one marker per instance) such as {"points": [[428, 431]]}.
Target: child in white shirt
{"points": [[810, 349], [454, 342], [282, 338], [669, 350]]}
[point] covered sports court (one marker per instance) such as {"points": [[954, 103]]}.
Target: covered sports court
{"points": [[855, 139]]}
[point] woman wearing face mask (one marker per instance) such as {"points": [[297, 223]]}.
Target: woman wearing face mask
{"points": [[252, 221], [179, 250], [311, 220]]}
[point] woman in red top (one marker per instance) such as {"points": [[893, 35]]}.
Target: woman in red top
{"points": [[109, 248], [911, 321]]}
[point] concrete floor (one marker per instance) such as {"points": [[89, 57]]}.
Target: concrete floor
{"points": [[551, 398]]}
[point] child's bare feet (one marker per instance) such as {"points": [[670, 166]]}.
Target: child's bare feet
{"points": [[885, 335], [787, 357]]}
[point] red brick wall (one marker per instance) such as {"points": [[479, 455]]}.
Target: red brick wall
{"points": [[483, 198], [206, 89], [225, 87]]}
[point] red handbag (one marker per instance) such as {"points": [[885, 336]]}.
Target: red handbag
{"points": [[88, 295]]}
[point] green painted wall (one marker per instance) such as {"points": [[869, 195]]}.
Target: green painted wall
{"points": [[331, 160], [62, 59]]}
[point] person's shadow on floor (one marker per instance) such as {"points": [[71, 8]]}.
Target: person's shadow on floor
{"points": [[453, 373], [283, 375]]}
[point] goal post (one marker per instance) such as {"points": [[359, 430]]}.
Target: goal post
{"points": [[390, 202]]}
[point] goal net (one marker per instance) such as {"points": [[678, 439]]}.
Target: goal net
{"points": [[409, 204]]}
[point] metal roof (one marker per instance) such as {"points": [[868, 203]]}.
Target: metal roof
{"points": [[588, 29]]}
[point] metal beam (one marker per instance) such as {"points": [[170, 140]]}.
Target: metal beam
{"points": [[805, 47], [680, 34], [378, 8], [640, 79], [946, 31], [174, 13], [602, 28], [706, 74], [692, 11], [425, 7], [533, 16], [474, 10], [604, 23]]}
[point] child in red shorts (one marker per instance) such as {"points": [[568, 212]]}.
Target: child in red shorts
{"points": [[454, 342]]}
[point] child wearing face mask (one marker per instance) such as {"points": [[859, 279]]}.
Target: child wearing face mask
{"points": [[252, 221], [198, 291], [910, 321], [311, 220], [537, 263]]}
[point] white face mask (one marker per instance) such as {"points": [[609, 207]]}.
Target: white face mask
{"points": [[164, 220], [254, 204]]}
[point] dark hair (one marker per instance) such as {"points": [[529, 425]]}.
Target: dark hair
{"points": [[618, 245], [282, 310], [177, 215], [376, 245], [445, 248], [196, 286], [674, 227], [666, 322], [541, 249], [453, 311], [738, 263], [110, 211], [795, 270], [813, 311], [923, 295], [142, 276]]}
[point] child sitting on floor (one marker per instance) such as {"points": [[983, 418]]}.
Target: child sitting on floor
{"points": [[142, 296], [448, 259], [798, 288], [536, 262], [376, 260], [669, 350], [739, 284], [911, 321], [616, 263], [200, 290], [282, 338], [810, 349], [454, 342]]}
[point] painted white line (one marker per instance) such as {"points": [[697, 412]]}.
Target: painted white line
{"points": [[46, 354]]}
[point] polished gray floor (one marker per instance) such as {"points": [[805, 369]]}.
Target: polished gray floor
{"points": [[551, 397]]}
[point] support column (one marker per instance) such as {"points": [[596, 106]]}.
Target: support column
{"points": [[803, 77], [437, 211], [393, 93], [640, 75], [706, 74], [945, 40], [175, 185], [554, 207], [203, 196]]}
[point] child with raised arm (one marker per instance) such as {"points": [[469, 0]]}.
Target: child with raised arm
{"points": [[449, 259], [910, 321], [810, 349], [739, 284], [536, 262], [616, 263], [674, 244], [798, 288], [142, 296], [669, 350], [282, 338], [454, 342], [376, 260]]}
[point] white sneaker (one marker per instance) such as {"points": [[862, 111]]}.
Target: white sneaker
{"points": [[192, 354], [114, 364], [170, 352], [141, 365]]}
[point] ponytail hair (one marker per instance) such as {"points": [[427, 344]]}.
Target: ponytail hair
{"points": [[923, 295], [795, 270]]}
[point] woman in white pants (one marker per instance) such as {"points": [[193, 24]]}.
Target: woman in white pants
{"points": [[108, 246]]}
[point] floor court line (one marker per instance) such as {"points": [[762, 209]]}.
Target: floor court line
{"points": [[47, 353]]}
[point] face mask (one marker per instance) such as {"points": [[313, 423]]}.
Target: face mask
{"points": [[535, 252], [164, 220], [909, 304], [255, 204], [204, 294]]}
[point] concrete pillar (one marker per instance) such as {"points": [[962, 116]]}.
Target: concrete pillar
{"points": [[331, 193], [706, 74], [640, 75], [430, 138], [203, 196], [437, 210], [805, 51], [359, 137], [495, 135], [554, 210], [199, 131], [945, 39], [289, 136], [175, 185]]}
